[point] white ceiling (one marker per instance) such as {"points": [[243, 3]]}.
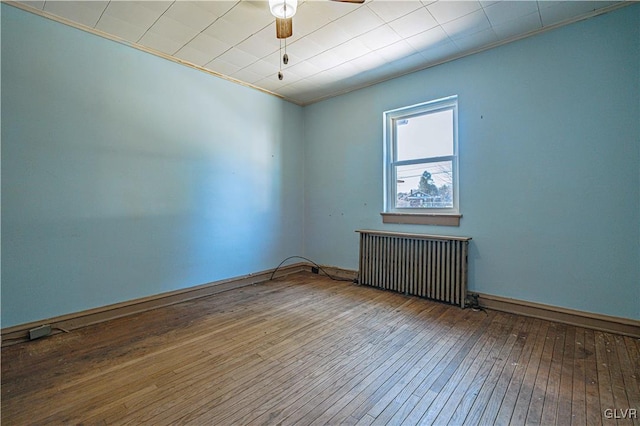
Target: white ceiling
{"points": [[336, 47]]}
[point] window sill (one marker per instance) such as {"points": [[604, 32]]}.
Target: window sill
{"points": [[422, 218]]}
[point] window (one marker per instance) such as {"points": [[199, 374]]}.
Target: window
{"points": [[421, 163]]}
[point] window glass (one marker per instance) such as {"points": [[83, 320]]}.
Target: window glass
{"points": [[421, 158], [423, 136], [425, 185]]}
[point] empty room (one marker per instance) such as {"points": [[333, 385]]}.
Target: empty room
{"points": [[320, 212]]}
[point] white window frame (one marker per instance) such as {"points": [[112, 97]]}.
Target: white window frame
{"points": [[436, 216]]}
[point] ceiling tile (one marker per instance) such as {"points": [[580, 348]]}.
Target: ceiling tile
{"points": [[326, 59], [217, 8], [228, 31], [191, 14], [467, 25], [330, 80], [406, 64], [304, 68], [369, 61], [308, 19], [323, 78], [303, 90], [505, 11], [391, 10], [555, 12], [327, 11], [446, 49], [247, 75], [414, 23], [33, 4], [428, 38], [360, 21], [120, 28], [138, 14], [304, 49], [272, 83], [352, 49], [330, 35], [288, 76], [160, 43], [380, 37], [84, 12], [345, 71], [396, 51], [518, 26], [380, 73], [262, 43], [251, 16], [237, 57], [194, 56], [222, 67], [202, 49], [476, 40], [447, 11], [266, 67], [173, 30]]}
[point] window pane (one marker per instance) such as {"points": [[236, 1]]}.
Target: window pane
{"points": [[424, 185], [425, 136]]}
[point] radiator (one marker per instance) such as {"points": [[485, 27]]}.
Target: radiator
{"points": [[430, 266]]}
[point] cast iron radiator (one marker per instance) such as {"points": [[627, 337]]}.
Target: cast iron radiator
{"points": [[430, 266]]}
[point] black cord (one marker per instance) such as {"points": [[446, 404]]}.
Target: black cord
{"points": [[312, 262], [475, 304]]}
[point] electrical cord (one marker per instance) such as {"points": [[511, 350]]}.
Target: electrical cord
{"points": [[312, 262], [474, 304]]}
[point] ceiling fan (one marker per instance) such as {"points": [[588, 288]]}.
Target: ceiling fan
{"points": [[284, 10]]}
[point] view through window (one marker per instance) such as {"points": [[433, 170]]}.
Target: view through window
{"points": [[421, 157]]}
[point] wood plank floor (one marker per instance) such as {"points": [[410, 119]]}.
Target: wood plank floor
{"points": [[306, 350]]}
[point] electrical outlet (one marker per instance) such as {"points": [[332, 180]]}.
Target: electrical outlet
{"points": [[40, 331]]}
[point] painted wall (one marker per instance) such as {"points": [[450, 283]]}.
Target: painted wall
{"points": [[125, 175], [549, 137]]}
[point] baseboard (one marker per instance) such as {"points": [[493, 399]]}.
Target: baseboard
{"points": [[73, 321], [337, 273], [611, 324]]}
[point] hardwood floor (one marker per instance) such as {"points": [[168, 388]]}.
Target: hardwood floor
{"points": [[306, 350]]}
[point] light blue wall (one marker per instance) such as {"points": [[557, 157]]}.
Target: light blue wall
{"points": [[549, 134], [125, 175]]}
